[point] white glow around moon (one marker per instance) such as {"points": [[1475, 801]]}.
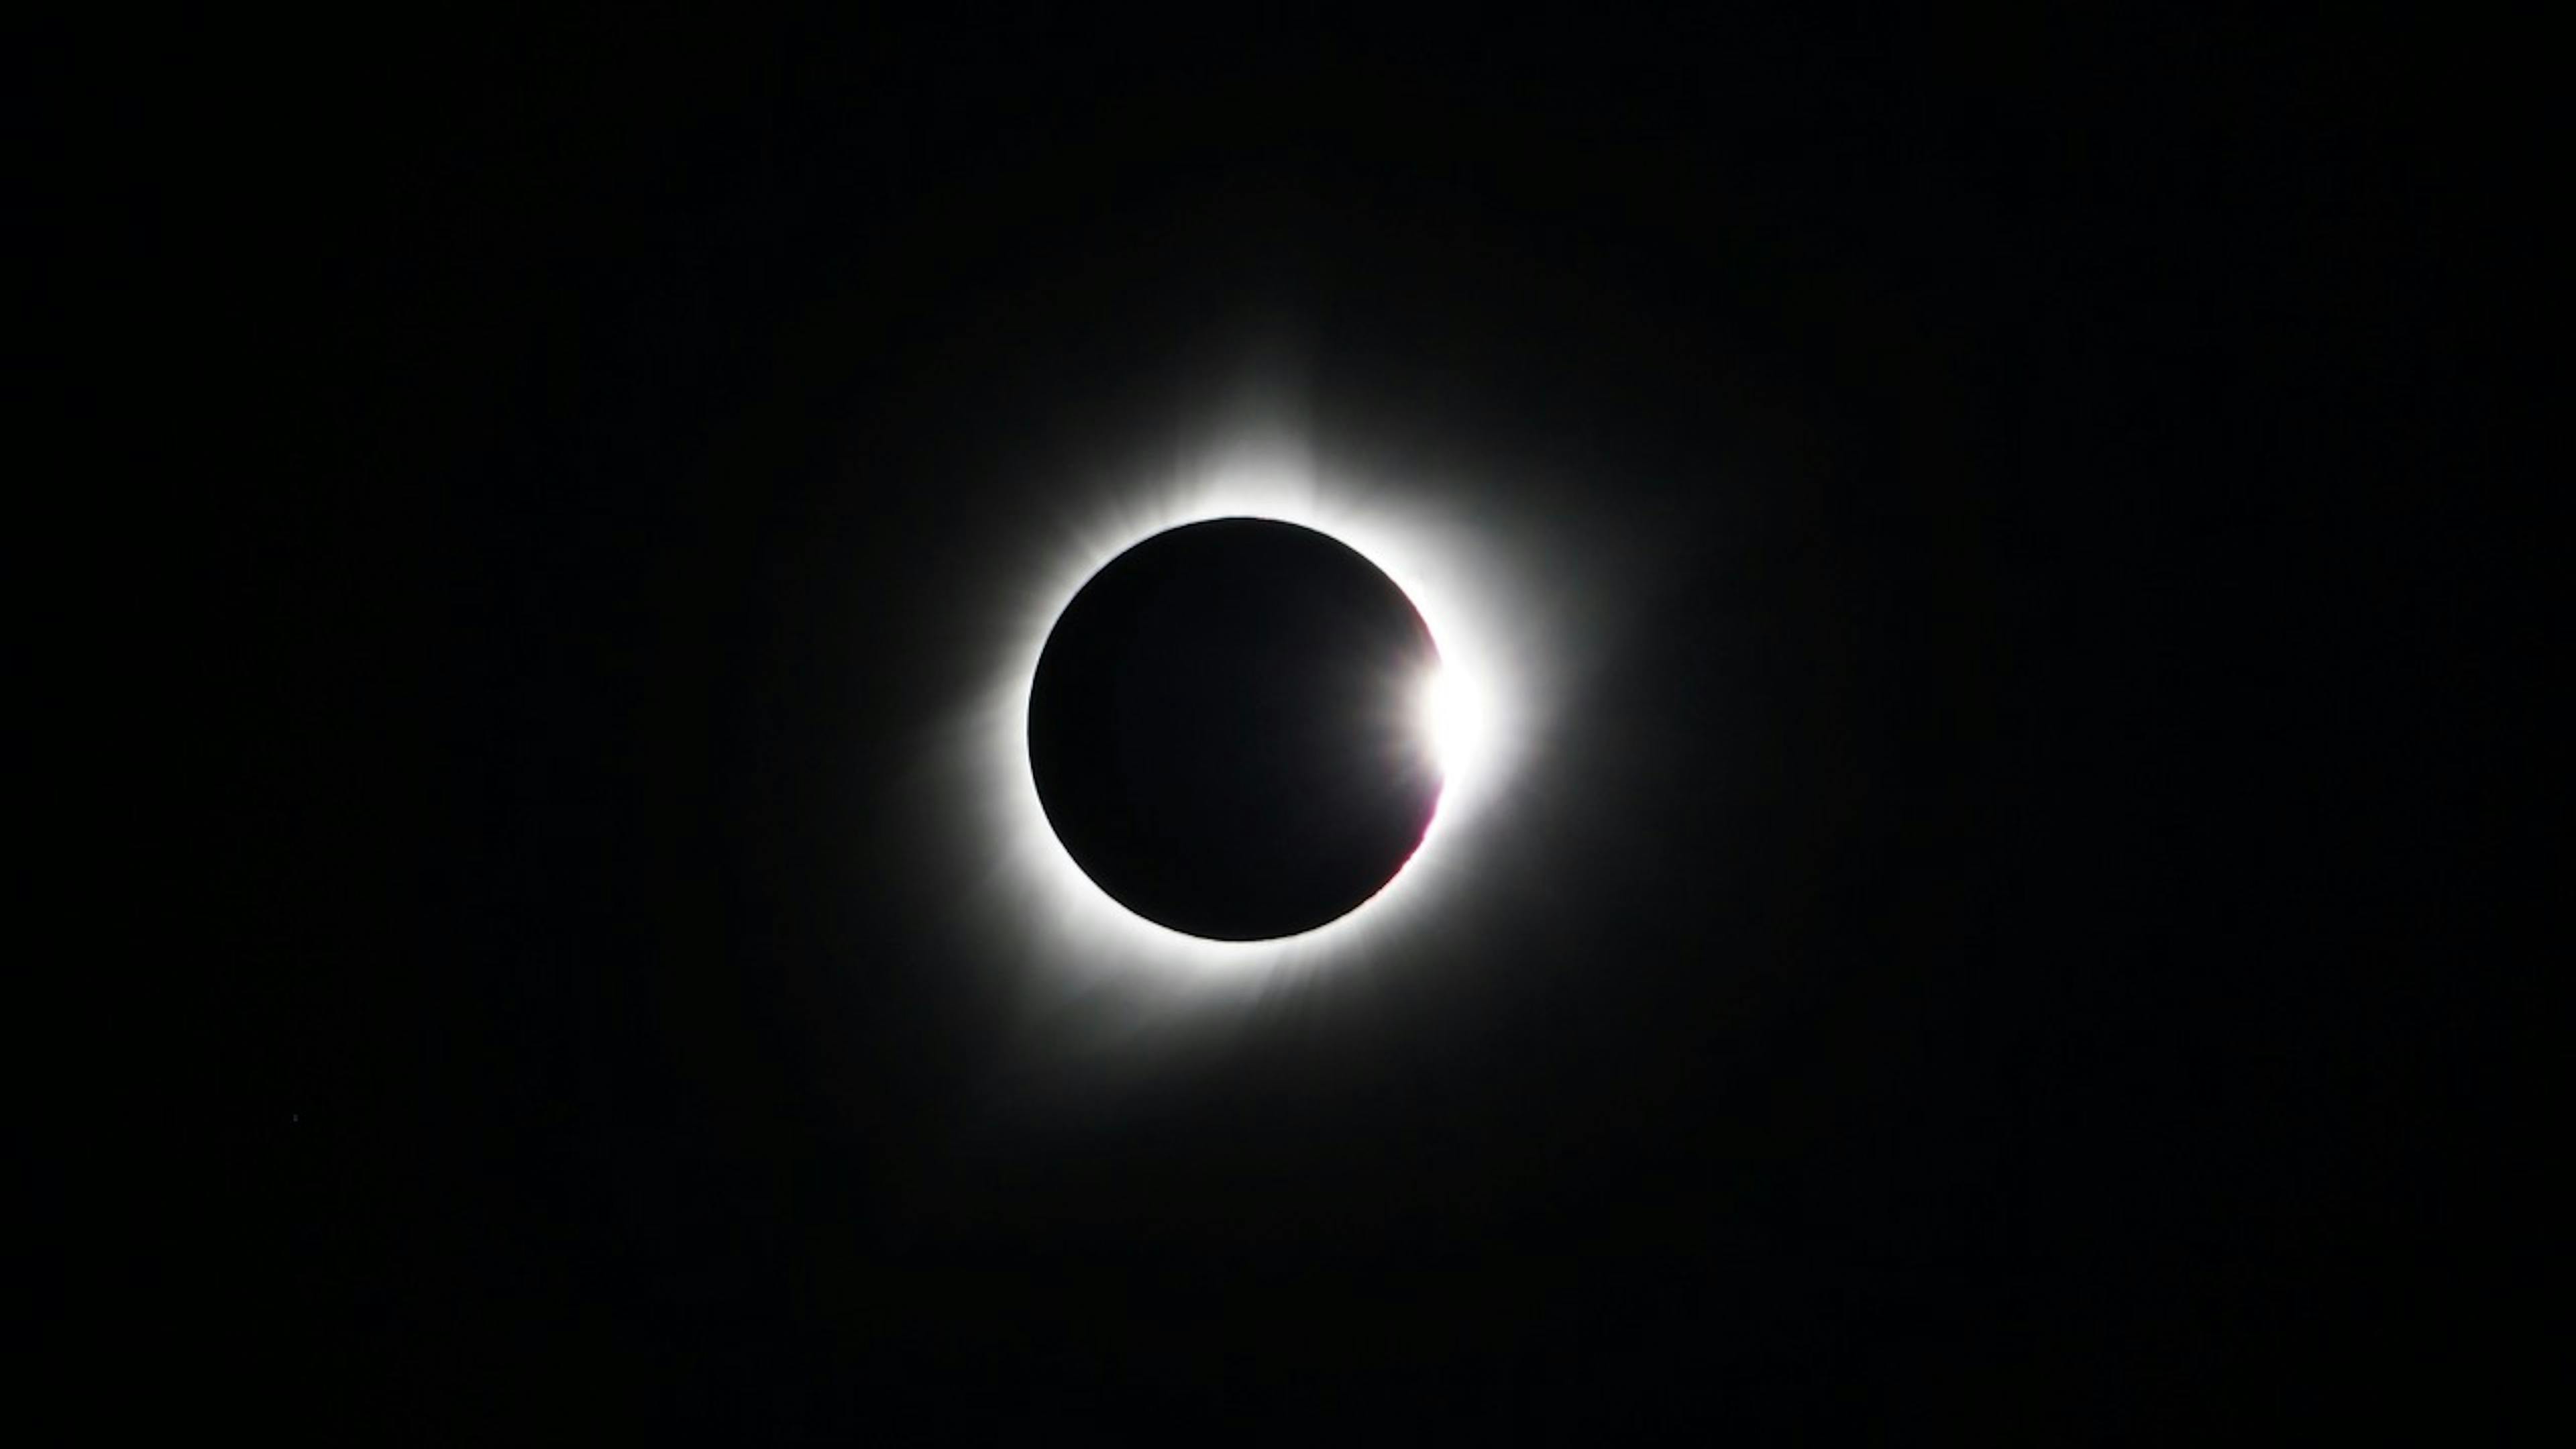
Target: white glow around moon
{"points": [[1478, 712]]}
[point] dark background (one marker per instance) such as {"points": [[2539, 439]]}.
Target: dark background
{"points": [[1971, 956]]}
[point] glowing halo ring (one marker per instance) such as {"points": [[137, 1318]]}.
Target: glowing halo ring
{"points": [[1434, 557]]}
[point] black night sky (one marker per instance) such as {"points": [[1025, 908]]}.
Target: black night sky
{"points": [[1933, 974]]}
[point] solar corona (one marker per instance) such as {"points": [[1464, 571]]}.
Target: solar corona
{"points": [[1247, 722]]}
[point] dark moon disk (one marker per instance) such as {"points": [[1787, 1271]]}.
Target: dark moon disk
{"points": [[1223, 729]]}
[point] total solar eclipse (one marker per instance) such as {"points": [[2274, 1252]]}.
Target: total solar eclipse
{"points": [[1229, 731]]}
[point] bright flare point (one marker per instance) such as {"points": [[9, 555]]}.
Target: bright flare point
{"points": [[1455, 723]]}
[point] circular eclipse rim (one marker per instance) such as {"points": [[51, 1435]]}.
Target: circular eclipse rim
{"points": [[1411, 701], [1436, 558]]}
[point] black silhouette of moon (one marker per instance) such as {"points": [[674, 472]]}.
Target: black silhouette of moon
{"points": [[1224, 729]]}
